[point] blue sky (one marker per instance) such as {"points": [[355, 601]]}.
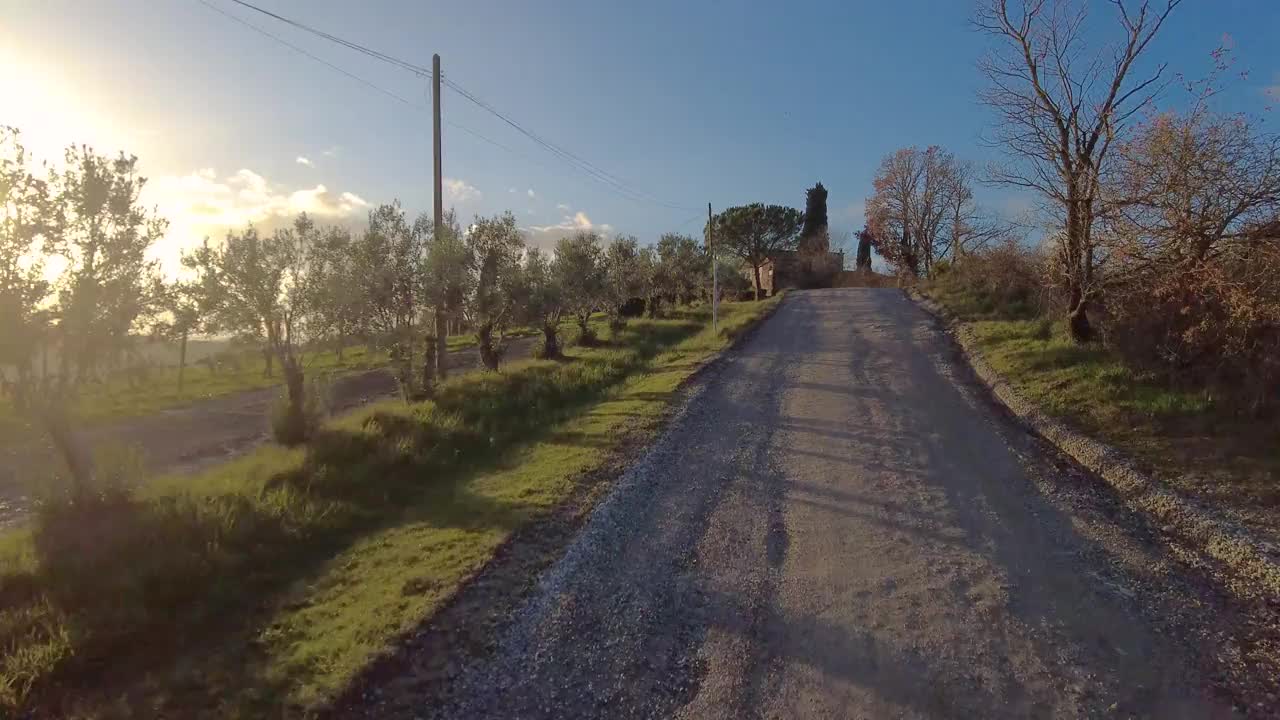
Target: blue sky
{"points": [[693, 102]]}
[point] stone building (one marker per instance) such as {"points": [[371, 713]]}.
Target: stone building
{"points": [[791, 269]]}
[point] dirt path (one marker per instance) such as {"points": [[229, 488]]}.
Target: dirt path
{"points": [[195, 436], [840, 524]]}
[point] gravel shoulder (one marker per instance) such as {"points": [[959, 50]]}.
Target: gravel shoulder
{"points": [[189, 438], [838, 522]]}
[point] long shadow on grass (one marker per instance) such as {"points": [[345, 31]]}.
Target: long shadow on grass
{"points": [[139, 585]]}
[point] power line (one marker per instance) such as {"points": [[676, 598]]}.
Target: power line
{"points": [[584, 165], [404, 64], [682, 225], [318, 59], [613, 182], [359, 79]]}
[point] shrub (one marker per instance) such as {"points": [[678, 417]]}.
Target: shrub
{"points": [[587, 337], [1215, 323], [1005, 281], [632, 308]]}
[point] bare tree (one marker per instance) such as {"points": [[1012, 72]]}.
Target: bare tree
{"points": [[1186, 187], [1060, 107], [969, 229], [1192, 288], [921, 200]]}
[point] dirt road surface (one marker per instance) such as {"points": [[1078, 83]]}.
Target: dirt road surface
{"points": [[188, 438], [839, 524]]}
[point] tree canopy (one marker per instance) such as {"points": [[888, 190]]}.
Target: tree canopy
{"points": [[753, 233]]}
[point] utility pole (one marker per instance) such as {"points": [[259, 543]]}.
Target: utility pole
{"points": [[715, 282], [442, 334]]}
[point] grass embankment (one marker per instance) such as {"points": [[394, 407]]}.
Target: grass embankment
{"points": [[1200, 446], [262, 587], [119, 396]]}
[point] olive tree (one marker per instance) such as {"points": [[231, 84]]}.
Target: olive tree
{"points": [[388, 257], [255, 286], [543, 301], [335, 282], [682, 267], [25, 214], [579, 266], [103, 234], [494, 246], [622, 276], [446, 281], [181, 317]]}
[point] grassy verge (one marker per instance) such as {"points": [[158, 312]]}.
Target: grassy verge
{"points": [[262, 587], [1193, 442], [118, 398]]}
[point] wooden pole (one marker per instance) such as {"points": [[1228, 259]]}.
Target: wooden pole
{"points": [[442, 333], [715, 281]]}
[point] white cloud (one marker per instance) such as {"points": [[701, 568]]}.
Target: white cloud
{"points": [[202, 204], [460, 191], [545, 236], [304, 160], [563, 207], [532, 195], [331, 151], [511, 190]]}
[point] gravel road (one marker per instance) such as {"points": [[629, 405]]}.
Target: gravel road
{"points": [[838, 523], [187, 438]]}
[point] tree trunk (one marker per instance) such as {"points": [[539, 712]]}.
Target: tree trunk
{"points": [[342, 345], [182, 360], [550, 344], [57, 423], [296, 389], [269, 358], [1080, 328], [488, 354], [1078, 317], [429, 371], [756, 270], [442, 343], [653, 304]]}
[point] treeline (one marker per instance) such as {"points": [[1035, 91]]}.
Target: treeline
{"points": [[1161, 230], [398, 285]]}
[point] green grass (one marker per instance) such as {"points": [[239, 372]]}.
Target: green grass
{"points": [[1198, 445], [118, 398], [262, 587]]}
